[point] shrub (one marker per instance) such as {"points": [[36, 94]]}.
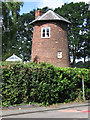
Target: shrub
{"points": [[42, 83]]}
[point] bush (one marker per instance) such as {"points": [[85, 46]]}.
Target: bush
{"points": [[41, 83]]}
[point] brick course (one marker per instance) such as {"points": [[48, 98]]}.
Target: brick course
{"points": [[46, 48]]}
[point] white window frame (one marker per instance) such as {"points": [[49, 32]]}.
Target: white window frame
{"points": [[45, 32], [59, 54]]}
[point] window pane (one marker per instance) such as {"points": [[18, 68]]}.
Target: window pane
{"points": [[43, 30], [47, 30], [47, 34], [43, 34]]}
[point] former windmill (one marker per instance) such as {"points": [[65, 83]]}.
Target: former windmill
{"points": [[50, 42]]}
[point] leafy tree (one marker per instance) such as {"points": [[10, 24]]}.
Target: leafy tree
{"points": [[78, 30], [45, 9], [24, 35], [10, 14]]}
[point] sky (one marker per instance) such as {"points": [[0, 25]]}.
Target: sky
{"points": [[34, 4]]}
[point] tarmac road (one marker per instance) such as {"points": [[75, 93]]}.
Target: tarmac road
{"points": [[76, 112]]}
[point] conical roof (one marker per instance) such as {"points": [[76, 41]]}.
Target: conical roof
{"points": [[50, 15]]}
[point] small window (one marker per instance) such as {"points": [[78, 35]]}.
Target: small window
{"points": [[59, 54], [45, 32]]}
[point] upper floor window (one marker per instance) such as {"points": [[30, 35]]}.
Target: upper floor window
{"points": [[45, 32]]}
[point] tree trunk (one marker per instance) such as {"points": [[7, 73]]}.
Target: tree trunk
{"points": [[74, 57]]}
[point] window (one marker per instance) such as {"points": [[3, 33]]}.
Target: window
{"points": [[45, 32], [59, 54]]}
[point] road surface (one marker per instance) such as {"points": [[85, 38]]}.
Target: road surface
{"points": [[77, 112]]}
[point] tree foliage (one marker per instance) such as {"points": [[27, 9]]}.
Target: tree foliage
{"points": [[10, 14], [24, 35], [78, 30]]}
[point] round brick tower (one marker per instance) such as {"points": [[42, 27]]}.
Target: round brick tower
{"points": [[50, 42]]}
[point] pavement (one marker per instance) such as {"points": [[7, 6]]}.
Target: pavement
{"points": [[25, 109]]}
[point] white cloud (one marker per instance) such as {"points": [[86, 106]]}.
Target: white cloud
{"points": [[86, 1], [57, 3], [50, 3]]}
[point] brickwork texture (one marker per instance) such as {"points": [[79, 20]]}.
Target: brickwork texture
{"points": [[47, 48]]}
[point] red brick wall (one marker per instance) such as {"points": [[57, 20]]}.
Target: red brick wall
{"points": [[46, 48]]}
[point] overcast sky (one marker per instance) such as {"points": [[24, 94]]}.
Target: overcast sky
{"points": [[34, 4]]}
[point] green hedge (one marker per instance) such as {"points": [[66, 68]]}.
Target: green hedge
{"points": [[41, 83]]}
